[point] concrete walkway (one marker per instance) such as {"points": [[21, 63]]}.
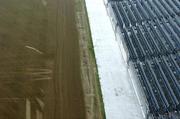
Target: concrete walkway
{"points": [[118, 94]]}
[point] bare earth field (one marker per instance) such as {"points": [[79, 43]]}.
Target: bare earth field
{"points": [[42, 75], [40, 66]]}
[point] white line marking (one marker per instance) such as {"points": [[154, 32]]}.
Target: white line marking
{"points": [[28, 109], [34, 49], [44, 2]]}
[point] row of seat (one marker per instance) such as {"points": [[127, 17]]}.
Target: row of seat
{"points": [[174, 115], [136, 11], [151, 33], [152, 39], [160, 79]]}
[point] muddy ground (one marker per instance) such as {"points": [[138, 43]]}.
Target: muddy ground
{"points": [[40, 65], [41, 71], [89, 73]]}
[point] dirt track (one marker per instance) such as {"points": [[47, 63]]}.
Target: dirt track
{"points": [[40, 66], [69, 87]]}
